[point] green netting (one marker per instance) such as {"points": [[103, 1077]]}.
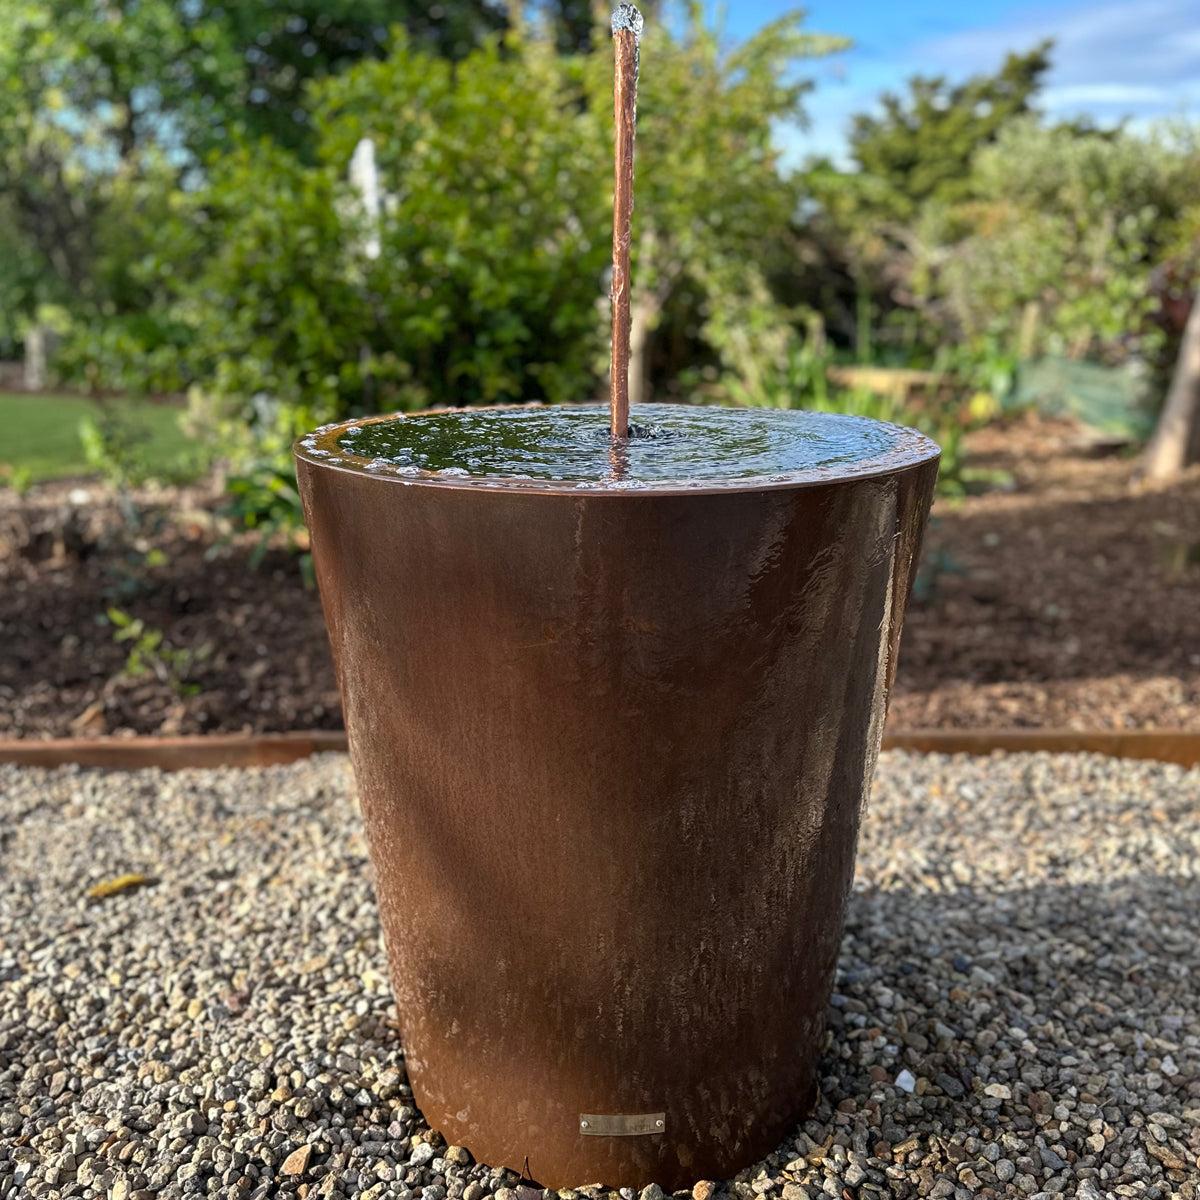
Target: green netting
{"points": [[1113, 399]]}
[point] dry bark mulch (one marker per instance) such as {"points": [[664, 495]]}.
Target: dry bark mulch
{"points": [[1071, 599]]}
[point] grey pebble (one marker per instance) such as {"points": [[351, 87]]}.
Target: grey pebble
{"points": [[1021, 923], [1051, 1160], [422, 1153]]}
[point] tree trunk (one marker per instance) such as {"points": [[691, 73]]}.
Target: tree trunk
{"points": [[646, 306], [1176, 440], [642, 316]]}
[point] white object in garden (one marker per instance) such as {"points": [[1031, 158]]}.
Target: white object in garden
{"points": [[364, 178], [40, 344]]}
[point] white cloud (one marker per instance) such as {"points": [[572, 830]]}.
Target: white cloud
{"points": [[1080, 95], [1133, 44], [1113, 60]]}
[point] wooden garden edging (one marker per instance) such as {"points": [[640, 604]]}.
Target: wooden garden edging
{"points": [[260, 750], [1165, 745], [173, 753]]}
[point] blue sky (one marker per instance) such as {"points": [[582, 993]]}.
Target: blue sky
{"points": [[1114, 58]]}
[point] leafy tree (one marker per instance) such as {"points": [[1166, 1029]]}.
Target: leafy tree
{"points": [[286, 43], [972, 224], [1072, 222], [93, 96], [575, 24], [22, 275], [922, 145], [913, 157], [100, 100], [486, 286], [495, 233], [117, 76]]}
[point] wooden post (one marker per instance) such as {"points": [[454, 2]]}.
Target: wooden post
{"points": [[1176, 440]]}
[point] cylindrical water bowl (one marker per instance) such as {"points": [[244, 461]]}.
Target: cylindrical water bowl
{"points": [[612, 746]]}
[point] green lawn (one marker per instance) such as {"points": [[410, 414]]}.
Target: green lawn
{"points": [[39, 435]]}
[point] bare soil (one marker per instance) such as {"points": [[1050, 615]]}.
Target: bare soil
{"points": [[1070, 599]]}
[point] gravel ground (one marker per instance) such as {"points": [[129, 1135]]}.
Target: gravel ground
{"points": [[1017, 1010]]}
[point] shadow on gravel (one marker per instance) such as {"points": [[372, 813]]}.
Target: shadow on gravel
{"points": [[1065, 989]]}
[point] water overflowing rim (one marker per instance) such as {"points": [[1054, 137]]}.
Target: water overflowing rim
{"points": [[318, 448]]}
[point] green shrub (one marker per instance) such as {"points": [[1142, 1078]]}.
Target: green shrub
{"points": [[124, 451], [264, 498], [494, 235]]}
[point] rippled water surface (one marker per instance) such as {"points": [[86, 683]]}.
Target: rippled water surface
{"points": [[670, 443]]}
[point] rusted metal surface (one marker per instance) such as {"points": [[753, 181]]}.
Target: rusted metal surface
{"points": [[172, 754], [611, 750]]}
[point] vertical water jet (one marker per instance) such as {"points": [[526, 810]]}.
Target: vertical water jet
{"points": [[627, 33]]}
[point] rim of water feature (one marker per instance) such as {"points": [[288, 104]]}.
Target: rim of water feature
{"points": [[908, 449]]}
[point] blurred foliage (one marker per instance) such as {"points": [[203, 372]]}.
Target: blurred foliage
{"points": [[981, 235], [861, 225], [127, 453], [20, 478], [494, 231], [264, 498], [110, 447], [107, 108], [285, 45], [101, 106], [174, 191], [921, 146], [1071, 222], [151, 654], [23, 286]]}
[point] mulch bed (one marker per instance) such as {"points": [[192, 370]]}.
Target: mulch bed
{"points": [[1069, 600]]}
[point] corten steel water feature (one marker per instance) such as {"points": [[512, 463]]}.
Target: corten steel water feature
{"points": [[612, 749]]}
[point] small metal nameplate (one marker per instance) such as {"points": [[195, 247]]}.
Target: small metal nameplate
{"points": [[622, 1125]]}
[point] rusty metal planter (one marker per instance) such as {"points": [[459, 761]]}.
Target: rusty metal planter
{"points": [[612, 748]]}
